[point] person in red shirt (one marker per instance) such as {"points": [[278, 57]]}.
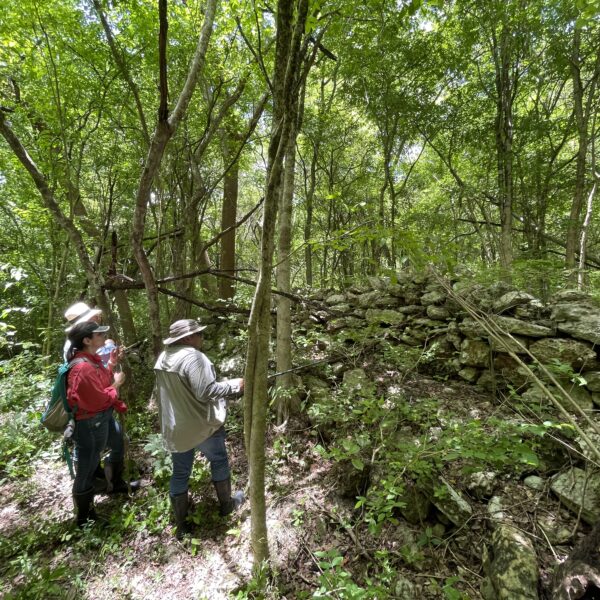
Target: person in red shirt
{"points": [[93, 395]]}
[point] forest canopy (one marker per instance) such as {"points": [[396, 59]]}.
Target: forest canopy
{"points": [[462, 133]]}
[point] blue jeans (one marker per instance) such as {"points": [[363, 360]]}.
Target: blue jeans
{"points": [[91, 436], [215, 452]]}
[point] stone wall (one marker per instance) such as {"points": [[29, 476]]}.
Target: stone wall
{"points": [[419, 312]]}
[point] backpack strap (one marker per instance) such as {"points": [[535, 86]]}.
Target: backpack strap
{"points": [[70, 365]]}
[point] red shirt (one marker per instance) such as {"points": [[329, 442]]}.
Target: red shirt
{"points": [[89, 386]]}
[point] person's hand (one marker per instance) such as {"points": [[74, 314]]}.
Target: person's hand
{"points": [[116, 355], [119, 380], [120, 406], [237, 384]]}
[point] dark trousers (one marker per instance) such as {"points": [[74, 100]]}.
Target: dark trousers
{"points": [[91, 437]]}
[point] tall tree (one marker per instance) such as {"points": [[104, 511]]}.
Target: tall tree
{"points": [[290, 23], [166, 126]]}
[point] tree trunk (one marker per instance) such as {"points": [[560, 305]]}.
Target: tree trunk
{"points": [[310, 194], [284, 317], [504, 136], [581, 120], [165, 129], [228, 218], [125, 317], [287, 54]]}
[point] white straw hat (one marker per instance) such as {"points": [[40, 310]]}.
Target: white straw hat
{"points": [[181, 329], [80, 313]]}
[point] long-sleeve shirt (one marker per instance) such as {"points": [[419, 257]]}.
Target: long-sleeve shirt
{"points": [[89, 386], [191, 401]]}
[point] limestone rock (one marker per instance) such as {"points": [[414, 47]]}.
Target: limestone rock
{"points": [[417, 505], [379, 283], [433, 297], [369, 299], [511, 300], [472, 329], [344, 323], [376, 316], [356, 381], [411, 309], [506, 343], [592, 379], [578, 394], [496, 511], [585, 448], [581, 321], [510, 566], [555, 530], [474, 353], [570, 486], [452, 504], [534, 482], [341, 309], [571, 352], [317, 390], [470, 374], [510, 371], [335, 299], [565, 296], [404, 589], [519, 327], [481, 484], [487, 380], [438, 313], [409, 340]]}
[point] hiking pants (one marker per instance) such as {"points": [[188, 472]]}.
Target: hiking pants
{"points": [[215, 452], [91, 437]]}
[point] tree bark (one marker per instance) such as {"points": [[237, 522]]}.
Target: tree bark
{"points": [[283, 278], [228, 218], [502, 50], [582, 108], [285, 81], [165, 129]]}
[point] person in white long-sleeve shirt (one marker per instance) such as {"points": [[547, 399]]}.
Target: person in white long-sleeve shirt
{"points": [[192, 411]]}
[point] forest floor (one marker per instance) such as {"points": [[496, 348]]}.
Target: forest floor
{"points": [[137, 556]]}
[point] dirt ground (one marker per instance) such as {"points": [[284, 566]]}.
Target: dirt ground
{"points": [[137, 556]]}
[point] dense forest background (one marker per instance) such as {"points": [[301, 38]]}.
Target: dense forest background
{"points": [[225, 160], [462, 133]]}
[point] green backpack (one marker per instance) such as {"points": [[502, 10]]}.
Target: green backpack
{"points": [[58, 412]]}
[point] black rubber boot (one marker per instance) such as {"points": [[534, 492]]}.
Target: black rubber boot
{"points": [[180, 504], [115, 484], [227, 502], [84, 507]]}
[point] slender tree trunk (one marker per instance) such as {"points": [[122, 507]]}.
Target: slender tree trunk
{"points": [[228, 218], [504, 137], [310, 194], [581, 120], [59, 280], [284, 318], [588, 214], [287, 55], [125, 317]]}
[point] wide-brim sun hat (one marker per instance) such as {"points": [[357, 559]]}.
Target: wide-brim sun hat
{"points": [[181, 329], [80, 312]]}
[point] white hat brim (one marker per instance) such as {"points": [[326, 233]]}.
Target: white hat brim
{"points": [[173, 339]]}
